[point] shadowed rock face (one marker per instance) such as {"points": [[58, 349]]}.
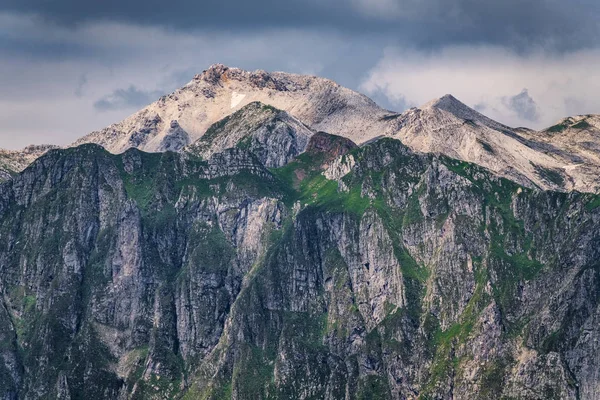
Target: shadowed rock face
{"points": [[333, 146], [383, 273]]}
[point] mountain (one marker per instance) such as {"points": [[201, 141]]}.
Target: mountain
{"points": [[578, 135], [185, 115], [443, 126], [449, 127], [350, 272], [14, 161], [273, 135]]}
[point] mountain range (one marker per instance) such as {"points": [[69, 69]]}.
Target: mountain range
{"points": [[563, 157], [261, 235]]}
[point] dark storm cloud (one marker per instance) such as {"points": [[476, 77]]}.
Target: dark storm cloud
{"points": [[561, 25], [42, 49], [523, 105], [132, 97]]}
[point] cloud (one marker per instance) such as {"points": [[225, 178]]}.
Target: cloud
{"points": [[486, 77], [81, 82], [523, 105], [424, 23], [128, 98]]}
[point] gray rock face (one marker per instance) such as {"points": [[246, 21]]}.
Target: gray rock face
{"points": [[15, 161], [404, 276], [272, 135]]}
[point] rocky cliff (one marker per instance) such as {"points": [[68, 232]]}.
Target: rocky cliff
{"points": [[349, 272], [272, 135], [15, 161]]}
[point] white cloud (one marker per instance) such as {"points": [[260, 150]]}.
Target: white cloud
{"points": [[484, 76]]}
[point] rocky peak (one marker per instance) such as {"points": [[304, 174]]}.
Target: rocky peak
{"points": [[274, 136], [212, 74], [219, 91], [444, 125], [445, 102], [458, 109]]}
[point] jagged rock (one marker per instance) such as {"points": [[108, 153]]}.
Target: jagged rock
{"points": [[272, 135], [14, 161], [564, 157], [220, 91], [557, 158]]}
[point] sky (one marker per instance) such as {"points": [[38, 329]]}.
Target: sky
{"points": [[69, 67]]}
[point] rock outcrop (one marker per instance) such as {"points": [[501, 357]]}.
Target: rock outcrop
{"points": [[272, 135]]}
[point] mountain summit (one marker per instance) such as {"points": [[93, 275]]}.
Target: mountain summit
{"points": [[220, 91]]}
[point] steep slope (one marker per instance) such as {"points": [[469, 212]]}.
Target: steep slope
{"points": [[406, 275], [219, 91], [272, 135], [578, 135], [14, 161], [449, 127]]}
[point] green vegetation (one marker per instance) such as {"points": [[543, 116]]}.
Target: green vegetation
{"points": [[303, 181], [583, 124], [593, 203], [558, 128], [373, 387], [300, 303]]}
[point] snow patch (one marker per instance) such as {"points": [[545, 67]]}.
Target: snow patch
{"points": [[572, 166], [236, 98]]}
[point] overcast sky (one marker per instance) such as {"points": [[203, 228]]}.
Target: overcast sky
{"points": [[68, 67]]}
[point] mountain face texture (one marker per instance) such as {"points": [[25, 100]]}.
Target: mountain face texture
{"points": [[219, 91], [272, 135], [274, 236], [370, 272], [449, 127]]}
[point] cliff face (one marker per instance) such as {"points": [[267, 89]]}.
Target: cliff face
{"points": [[370, 272]]}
